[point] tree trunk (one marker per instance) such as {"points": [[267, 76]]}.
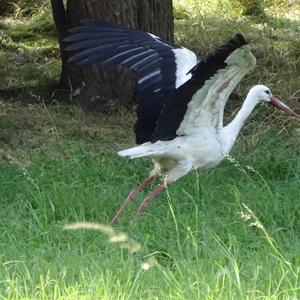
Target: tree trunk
{"points": [[92, 86], [60, 20]]}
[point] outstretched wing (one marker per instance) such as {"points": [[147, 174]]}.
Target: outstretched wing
{"points": [[201, 100], [161, 66]]}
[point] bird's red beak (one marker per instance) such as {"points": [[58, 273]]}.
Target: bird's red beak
{"points": [[280, 105]]}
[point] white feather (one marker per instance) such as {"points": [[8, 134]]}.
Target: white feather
{"points": [[146, 149], [185, 60], [206, 108]]}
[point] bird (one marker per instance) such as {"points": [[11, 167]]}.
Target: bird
{"points": [[181, 100]]}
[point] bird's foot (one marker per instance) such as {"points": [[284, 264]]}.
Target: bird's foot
{"points": [[131, 196], [150, 197]]}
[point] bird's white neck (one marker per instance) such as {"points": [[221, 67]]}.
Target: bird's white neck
{"points": [[230, 132]]}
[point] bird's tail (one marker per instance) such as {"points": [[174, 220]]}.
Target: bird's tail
{"points": [[146, 149]]}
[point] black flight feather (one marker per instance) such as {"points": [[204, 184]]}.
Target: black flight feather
{"points": [[152, 59]]}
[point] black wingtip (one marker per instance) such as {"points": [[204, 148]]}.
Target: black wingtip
{"points": [[239, 39], [218, 56]]}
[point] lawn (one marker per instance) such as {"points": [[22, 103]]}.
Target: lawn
{"points": [[228, 233], [232, 232]]}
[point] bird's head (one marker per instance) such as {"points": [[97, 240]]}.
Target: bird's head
{"points": [[263, 94]]}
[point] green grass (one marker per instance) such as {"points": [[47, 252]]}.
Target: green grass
{"points": [[226, 233], [231, 232], [29, 56]]}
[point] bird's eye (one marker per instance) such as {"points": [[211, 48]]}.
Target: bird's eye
{"points": [[267, 92]]}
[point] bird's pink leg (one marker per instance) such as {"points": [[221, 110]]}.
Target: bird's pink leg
{"points": [[131, 197], [150, 197]]}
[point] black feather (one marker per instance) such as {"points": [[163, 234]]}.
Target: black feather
{"points": [[175, 108], [101, 42]]}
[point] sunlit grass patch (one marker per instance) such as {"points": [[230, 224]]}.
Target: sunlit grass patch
{"points": [[276, 52], [236, 8], [29, 57], [274, 40]]}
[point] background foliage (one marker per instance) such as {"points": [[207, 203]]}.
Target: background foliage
{"points": [[21, 8]]}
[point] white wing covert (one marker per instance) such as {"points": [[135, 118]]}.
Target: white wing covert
{"points": [[200, 101], [207, 105]]}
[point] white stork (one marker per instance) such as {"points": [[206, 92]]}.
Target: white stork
{"points": [[180, 102]]}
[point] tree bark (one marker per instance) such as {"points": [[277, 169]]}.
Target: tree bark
{"points": [[96, 88], [60, 21]]}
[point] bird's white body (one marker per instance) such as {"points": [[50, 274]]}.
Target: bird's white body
{"points": [[202, 141], [205, 149], [179, 156]]}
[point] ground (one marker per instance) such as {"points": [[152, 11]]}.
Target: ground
{"points": [[231, 232]]}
